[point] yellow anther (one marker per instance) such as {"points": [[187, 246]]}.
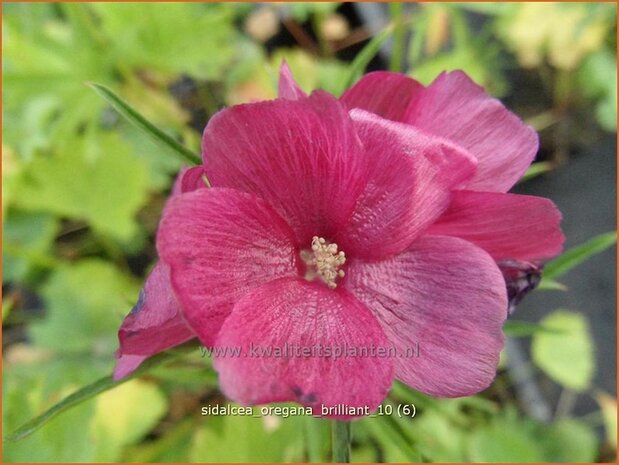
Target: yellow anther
{"points": [[324, 262]]}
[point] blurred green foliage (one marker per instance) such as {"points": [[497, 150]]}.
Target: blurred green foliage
{"points": [[82, 191]]}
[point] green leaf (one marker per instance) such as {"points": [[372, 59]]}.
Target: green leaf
{"points": [[524, 328], [438, 438], [138, 406], [569, 440], [547, 284], [508, 438], [169, 447], [26, 240], [88, 392], [144, 125], [98, 180], [576, 255], [567, 357], [363, 58], [394, 446], [249, 439], [301, 11], [80, 321], [171, 39], [536, 169], [501, 444]]}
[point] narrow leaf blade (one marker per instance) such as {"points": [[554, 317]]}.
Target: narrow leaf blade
{"points": [[524, 328], [135, 118], [87, 392], [577, 255], [536, 169], [364, 57]]}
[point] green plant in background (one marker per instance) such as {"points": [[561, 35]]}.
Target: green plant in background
{"points": [[83, 188]]}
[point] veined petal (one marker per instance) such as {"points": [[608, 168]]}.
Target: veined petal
{"points": [[154, 324], [189, 180], [303, 318], [383, 93], [287, 86], [412, 175], [507, 226], [303, 157], [220, 244], [456, 108], [446, 298]]}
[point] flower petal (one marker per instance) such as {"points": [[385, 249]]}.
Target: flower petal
{"points": [[383, 93], [411, 178], [127, 364], [445, 297], [155, 323], [456, 108], [303, 157], [220, 244], [303, 318], [507, 226], [189, 179], [288, 88]]}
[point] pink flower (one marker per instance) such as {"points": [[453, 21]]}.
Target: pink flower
{"points": [[372, 222], [456, 108]]}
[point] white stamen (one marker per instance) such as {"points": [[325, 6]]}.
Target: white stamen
{"points": [[324, 261]]}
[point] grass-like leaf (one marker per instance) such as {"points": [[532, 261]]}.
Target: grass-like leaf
{"points": [[135, 118], [536, 169], [577, 255], [364, 57], [524, 328], [88, 392], [548, 284]]}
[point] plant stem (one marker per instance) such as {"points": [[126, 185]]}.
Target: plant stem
{"points": [[397, 53], [341, 437]]}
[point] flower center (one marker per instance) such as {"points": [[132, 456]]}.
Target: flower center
{"points": [[323, 261]]}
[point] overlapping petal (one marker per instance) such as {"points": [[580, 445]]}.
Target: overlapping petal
{"points": [[220, 244], [287, 87], [455, 108], [383, 93], [189, 179], [411, 178], [446, 298], [155, 322], [308, 317], [303, 157], [507, 226]]}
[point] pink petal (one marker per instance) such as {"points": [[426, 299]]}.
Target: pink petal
{"points": [[383, 93], [155, 323], [456, 108], [507, 226], [220, 244], [303, 157], [288, 88], [189, 179], [446, 298], [303, 316], [127, 364], [411, 178]]}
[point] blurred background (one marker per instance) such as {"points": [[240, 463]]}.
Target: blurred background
{"points": [[82, 191]]}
